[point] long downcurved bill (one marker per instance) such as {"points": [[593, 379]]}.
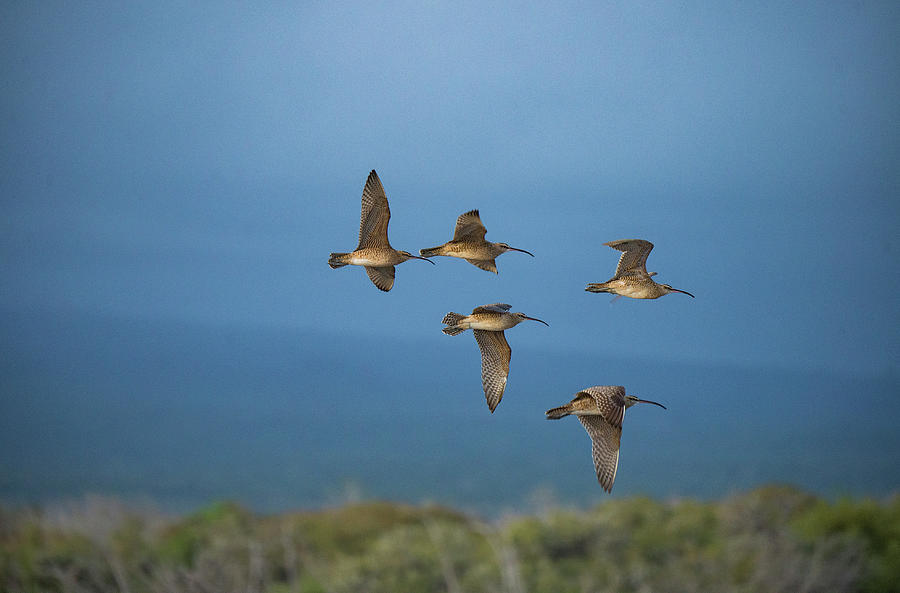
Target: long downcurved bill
{"points": [[536, 319], [682, 292], [647, 401], [423, 259], [520, 250]]}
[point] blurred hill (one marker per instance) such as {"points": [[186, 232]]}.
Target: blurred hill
{"points": [[775, 539]]}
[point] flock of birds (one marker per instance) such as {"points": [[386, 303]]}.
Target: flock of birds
{"points": [[601, 409]]}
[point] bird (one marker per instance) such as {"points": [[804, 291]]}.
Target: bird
{"points": [[487, 323], [601, 409], [632, 279], [468, 243], [374, 251]]}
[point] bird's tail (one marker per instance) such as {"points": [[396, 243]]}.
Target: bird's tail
{"points": [[451, 319], [599, 287], [431, 251], [557, 413], [336, 260]]}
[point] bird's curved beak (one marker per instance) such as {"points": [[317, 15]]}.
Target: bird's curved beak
{"points": [[520, 250], [647, 401], [422, 258], [683, 292], [539, 320]]}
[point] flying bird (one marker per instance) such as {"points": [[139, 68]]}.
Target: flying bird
{"points": [[601, 409], [374, 251], [632, 279], [468, 243], [487, 323]]}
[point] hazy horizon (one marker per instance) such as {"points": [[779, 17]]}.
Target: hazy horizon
{"points": [[184, 414]]}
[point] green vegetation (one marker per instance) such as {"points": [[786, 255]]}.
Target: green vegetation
{"points": [[772, 539]]}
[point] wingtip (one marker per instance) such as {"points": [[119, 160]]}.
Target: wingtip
{"points": [[607, 489], [373, 177]]}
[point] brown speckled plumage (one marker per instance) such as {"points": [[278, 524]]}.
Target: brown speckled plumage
{"points": [[631, 279], [374, 251], [488, 323], [468, 243], [601, 410]]}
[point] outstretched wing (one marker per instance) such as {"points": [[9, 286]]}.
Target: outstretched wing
{"points": [[492, 308], [488, 265], [382, 277], [495, 355], [610, 400], [469, 226], [376, 214], [634, 256], [605, 440]]}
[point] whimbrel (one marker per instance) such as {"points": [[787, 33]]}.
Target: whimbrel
{"points": [[374, 251], [601, 409], [468, 243], [632, 279], [487, 323]]}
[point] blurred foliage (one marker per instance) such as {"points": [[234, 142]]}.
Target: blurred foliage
{"points": [[774, 539]]}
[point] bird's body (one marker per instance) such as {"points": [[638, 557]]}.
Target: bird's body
{"points": [[488, 323], [374, 251], [466, 250], [487, 317], [631, 279], [374, 256], [468, 243], [601, 410]]}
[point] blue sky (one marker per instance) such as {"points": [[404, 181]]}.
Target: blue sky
{"points": [[199, 161]]}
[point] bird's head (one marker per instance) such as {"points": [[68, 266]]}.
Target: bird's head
{"points": [[506, 247], [630, 400], [670, 289], [522, 317]]}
